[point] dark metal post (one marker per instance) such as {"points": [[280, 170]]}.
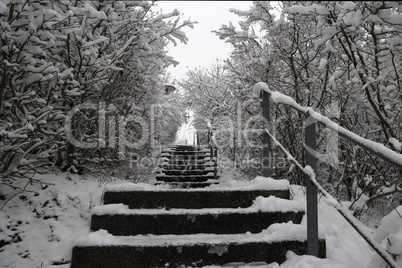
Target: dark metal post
{"points": [[312, 209], [266, 161], [216, 163], [211, 155]]}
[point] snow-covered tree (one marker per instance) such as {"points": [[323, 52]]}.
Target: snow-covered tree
{"points": [[137, 58], [32, 82], [102, 57], [215, 96], [363, 39], [342, 59]]}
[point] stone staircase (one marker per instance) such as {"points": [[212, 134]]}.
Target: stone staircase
{"points": [[188, 219], [187, 167]]}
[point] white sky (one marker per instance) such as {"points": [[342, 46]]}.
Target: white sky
{"points": [[203, 47]]}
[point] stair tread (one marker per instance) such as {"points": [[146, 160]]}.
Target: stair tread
{"points": [[120, 220], [186, 171], [186, 151], [185, 178], [210, 173], [196, 250], [188, 183], [257, 184], [168, 195], [183, 151], [271, 204], [275, 233], [187, 161], [180, 167]]}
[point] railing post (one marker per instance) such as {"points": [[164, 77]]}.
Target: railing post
{"points": [[216, 163], [312, 209], [211, 155], [266, 161], [198, 141]]}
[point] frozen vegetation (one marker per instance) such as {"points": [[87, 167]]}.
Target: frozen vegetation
{"points": [[82, 103]]}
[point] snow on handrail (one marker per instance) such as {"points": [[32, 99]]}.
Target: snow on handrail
{"points": [[376, 148]]}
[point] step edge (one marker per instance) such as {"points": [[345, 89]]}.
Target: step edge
{"points": [[103, 238], [164, 187], [272, 203], [259, 183]]}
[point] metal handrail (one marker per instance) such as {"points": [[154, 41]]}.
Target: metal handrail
{"points": [[376, 148], [213, 149], [196, 140], [312, 117]]}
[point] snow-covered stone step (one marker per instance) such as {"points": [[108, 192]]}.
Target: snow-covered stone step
{"points": [[189, 198], [188, 162], [185, 178], [203, 162], [100, 249], [185, 172], [185, 147], [229, 194], [186, 153], [118, 219], [182, 148], [187, 167], [185, 157], [189, 185]]}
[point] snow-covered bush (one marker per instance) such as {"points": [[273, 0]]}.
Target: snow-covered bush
{"points": [[340, 58], [214, 97], [56, 55], [389, 234], [33, 82]]}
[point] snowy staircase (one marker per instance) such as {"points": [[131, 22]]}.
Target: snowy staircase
{"points": [[144, 225], [187, 167]]}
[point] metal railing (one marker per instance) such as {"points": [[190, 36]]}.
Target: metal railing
{"points": [[312, 118], [196, 140], [213, 149]]}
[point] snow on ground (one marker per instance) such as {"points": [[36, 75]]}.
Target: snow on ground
{"points": [[38, 228]]}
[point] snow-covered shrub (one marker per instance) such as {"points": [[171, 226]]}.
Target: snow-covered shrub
{"points": [[56, 55], [340, 58], [389, 234], [33, 83]]}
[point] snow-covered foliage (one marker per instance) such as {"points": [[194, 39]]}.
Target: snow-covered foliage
{"points": [[56, 55], [216, 97], [343, 59], [169, 115], [389, 233]]}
